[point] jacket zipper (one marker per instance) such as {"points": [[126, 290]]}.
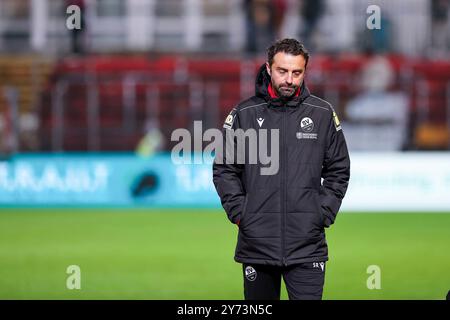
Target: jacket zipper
{"points": [[283, 188]]}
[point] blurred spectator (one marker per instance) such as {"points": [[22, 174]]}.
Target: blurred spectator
{"points": [[18, 130], [335, 28], [440, 27], [3, 135], [264, 19], [18, 9], [377, 74], [9, 130], [28, 127], [377, 40], [378, 118], [310, 12], [14, 16], [152, 141], [77, 35]]}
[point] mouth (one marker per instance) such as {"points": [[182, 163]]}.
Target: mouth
{"points": [[288, 89]]}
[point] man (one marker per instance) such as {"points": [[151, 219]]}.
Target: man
{"points": [[282, 216]]}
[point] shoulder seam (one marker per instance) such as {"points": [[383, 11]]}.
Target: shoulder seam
{"points": [[252, 106], [313, 105], [329, 104]]}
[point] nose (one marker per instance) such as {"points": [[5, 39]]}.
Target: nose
{"points": [[289, 79]]}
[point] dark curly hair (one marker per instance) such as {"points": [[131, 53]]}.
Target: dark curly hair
{"points": [[288, 45]]}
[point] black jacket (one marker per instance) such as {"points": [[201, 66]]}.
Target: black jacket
{"points": [[282, 216]]}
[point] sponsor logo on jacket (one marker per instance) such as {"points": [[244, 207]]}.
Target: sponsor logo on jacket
{"points": [[306, 128]]}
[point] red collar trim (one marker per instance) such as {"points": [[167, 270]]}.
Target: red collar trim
{"points": [[272, 93]]}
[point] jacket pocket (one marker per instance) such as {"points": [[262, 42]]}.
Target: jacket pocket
{"points": [[303, 224], [318, 203], [322, 218]]}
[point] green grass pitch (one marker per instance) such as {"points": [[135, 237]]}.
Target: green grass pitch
{"points": [[188, 254]]}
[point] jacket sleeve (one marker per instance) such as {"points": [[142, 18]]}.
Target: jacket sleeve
{"points": [[227, 173], [335, 172]]}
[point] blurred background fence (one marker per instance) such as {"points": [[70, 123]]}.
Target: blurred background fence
{"points": [[138, 69]]}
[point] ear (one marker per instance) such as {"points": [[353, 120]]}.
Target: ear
{"points": [[268, 68]]}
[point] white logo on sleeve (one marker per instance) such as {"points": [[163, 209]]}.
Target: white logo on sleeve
{"points": [[320, 265], [260, 121], [250, 273]]}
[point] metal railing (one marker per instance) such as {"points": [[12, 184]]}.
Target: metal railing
{"points": [[201, 98]]}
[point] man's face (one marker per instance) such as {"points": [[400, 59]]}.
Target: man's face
{"points": [[287, 73]]}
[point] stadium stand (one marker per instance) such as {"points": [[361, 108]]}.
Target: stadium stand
{"points": [[125, 91]]}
